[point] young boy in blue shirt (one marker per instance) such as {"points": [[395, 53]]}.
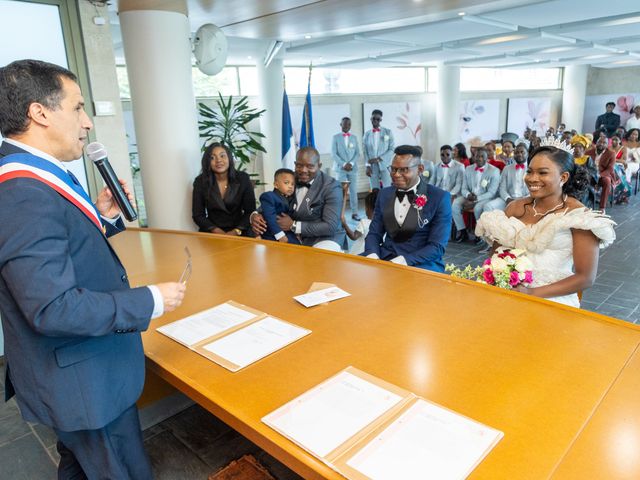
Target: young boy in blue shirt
{"points": [[280, 200]]}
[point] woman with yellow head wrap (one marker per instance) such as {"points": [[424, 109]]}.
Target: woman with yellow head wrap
{"points": [[580, 143]]}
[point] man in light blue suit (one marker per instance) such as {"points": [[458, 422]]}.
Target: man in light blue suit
{"points": [[479, 186], [512, 184], [345, 152], [412, 219], [377, 145], [71, 323], [448, 174]]}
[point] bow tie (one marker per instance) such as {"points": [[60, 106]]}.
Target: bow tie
{"points": [[303, 185], [519, 166], [444, 165], [376, 130], [400, 194], [346, 134], [480, 169]]}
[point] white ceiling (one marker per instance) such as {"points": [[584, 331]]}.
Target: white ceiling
{"points": [[378, 33]]}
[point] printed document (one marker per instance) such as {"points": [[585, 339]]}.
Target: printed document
{"points": [[321, 296]]}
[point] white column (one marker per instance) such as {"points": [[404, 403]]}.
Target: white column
{"points": [[271, 91], [447, 104], [158, 53], [574, 94]]}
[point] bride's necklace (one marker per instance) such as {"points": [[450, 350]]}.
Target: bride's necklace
{"points": [[560, 205]]}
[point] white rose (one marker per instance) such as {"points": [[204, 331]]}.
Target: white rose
{"points": [[510, 260], [523, 264], [499, 264], [386, 138], [427, 173], [484, 183], [351, 145]]}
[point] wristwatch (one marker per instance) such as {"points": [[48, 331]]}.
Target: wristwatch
{"points": [[294, 225], [237, 231]]}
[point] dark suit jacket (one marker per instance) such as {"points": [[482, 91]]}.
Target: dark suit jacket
{"points": [[210, 210], [319, 212], [610, 121], [421, 247], [273, 204], [606, 163], [71, 323]]}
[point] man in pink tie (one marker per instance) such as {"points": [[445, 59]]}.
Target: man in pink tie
{"points": [[480, 185], [345, 152], [378, 146], [448, 175]]}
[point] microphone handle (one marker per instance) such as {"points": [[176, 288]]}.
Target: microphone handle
{"points": [[110, 178]]}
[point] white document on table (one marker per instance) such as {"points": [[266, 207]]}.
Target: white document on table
{"points": [[321, 296], [426, 441], [197, 327], [255, 341], [326, 416]]}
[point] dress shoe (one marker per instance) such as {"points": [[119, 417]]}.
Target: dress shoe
{"points": [[461, 236], [356, 217], [486, 249], [477, 240]]}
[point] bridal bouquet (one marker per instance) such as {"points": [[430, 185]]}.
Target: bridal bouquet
{"points": [[507, 268]]}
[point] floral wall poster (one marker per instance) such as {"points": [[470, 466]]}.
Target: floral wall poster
{"points": [[533, 113], [479, 119], [402, 118], [595, 105]]}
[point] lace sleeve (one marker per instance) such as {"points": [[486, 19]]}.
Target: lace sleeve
{"points": [[597, 223], [495, 226]]}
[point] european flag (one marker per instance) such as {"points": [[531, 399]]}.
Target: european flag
{"points": [[288, 140], [306, 131]]}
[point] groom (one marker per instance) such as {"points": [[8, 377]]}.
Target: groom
{"points": [[412, 220]]}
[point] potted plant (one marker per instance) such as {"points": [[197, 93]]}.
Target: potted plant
{"points": [[228, 124]]}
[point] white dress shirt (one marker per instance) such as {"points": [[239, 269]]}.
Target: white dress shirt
{"points": [[301, 192], [518, 190], [347, 139], [633, 122], [158, 303]]}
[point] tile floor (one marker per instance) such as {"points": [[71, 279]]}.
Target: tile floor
{"points": [[194, 443]]}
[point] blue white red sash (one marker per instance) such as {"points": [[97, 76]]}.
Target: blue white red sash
{"points": [[25, 165]]}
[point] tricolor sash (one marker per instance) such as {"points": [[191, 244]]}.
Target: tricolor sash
{"points": [[25, 165]]}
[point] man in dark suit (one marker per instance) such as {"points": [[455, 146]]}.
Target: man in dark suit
{"points": [[605, 160], [319, 203], [71, 322], [412, 219], [608, 121]]}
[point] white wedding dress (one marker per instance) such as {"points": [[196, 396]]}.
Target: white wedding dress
{"points": [[548, 243]]}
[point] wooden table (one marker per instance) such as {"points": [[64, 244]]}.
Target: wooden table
{"points": [[562, 384]]}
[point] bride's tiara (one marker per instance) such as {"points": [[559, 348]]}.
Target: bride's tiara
{"points": [[557, 143]]}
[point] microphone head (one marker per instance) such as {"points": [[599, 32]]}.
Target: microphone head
{"points": [[96, 152]]}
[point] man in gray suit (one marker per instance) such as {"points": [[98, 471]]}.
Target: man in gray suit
{"points": [[512, 184], [378, 146], [71, 322], [479, 186], [448, 175], [316, 218], [345, 152]]}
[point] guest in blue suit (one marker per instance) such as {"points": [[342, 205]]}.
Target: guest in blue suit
{"points": [[71, 323], [412, 219], [277, 202]]}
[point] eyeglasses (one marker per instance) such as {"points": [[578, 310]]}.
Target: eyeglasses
{"points": [[401, 170], [186, 273]]}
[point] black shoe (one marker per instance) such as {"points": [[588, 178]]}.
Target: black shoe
{"points": [[477, 240], [356, 217], [461, 236]]}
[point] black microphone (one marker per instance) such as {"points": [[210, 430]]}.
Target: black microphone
{"points": [[98, 155]]}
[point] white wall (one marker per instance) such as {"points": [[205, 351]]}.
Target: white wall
{"points": [[601, 81]]}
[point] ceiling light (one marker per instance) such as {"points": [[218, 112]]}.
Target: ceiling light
{"points": [[272, 51], [502, 39], [620, 21], [461, 14], [307, 37], [249, 57]]}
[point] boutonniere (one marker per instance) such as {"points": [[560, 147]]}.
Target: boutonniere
{"points": [[351, 145], [484, 183], [386, 138], [426, 174], [419, 203]]}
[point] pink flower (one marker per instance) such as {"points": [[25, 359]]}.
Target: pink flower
{"points": [[486, 262], [528, 276], [514, 279], [487, 275], [420, 201]]}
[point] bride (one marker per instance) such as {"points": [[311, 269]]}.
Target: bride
{"points": [[559, 234]]}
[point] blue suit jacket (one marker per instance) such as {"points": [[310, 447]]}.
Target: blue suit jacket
{"points": [[273, 204], [71, 323], [421, 247]]}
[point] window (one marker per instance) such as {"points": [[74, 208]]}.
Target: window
{"points": [[509, 79], [248, 81], [370, 80]]}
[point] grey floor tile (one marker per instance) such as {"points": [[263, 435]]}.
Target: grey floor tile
{"points": [[172, 460], [8, 409], [46, 435], [53, 453], [12, 427], [25, 459]]}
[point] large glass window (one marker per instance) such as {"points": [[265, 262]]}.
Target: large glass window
{"points": [[248, 81], [509, 79]]}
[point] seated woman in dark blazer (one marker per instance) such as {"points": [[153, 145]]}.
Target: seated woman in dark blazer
{"points": [[223, 197]]}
